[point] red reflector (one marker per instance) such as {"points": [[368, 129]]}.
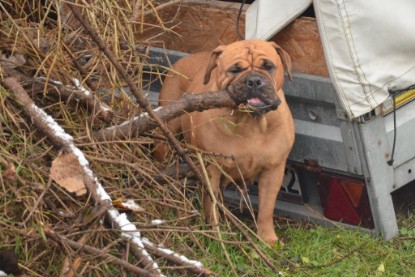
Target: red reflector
{"points": [[345, 199], [354, 191]]}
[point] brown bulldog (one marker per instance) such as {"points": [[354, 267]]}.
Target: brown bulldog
{"points": [[258, 135]]}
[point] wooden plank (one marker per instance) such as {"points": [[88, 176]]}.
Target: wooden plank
{"points": [[198, 26], [301, 40], [201, 26]]}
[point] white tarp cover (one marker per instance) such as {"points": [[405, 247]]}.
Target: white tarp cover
{"points": [[369, 45]]}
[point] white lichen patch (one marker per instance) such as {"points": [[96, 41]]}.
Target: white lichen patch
{"points": [[157, 222], [130, 232], [130, 204], [79, 86], [170, 252], [51, 123]]}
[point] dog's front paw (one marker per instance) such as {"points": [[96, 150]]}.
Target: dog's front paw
{"points": [[268, 236]]}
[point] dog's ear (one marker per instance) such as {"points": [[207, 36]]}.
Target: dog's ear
{"points": [[285, 58], [212, 62]]}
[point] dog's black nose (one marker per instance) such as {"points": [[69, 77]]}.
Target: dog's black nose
{"points": [[254, 81]]}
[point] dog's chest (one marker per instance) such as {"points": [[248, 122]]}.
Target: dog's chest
{"points": [[247, 147], [250, 156]]}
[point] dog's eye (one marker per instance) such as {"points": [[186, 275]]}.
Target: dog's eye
{"points": [[269, 66], [235, 69]]}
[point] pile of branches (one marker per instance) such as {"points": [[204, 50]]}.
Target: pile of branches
{"points": [[80, 192]]}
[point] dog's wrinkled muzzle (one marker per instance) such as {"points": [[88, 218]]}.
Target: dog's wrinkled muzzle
{"points": [[255, 94]]}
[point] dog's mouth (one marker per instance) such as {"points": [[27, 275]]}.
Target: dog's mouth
{"points": [[256, 100], [252, 104], [257, 107]]}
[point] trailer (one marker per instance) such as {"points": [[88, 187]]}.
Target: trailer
{"points": [[351, 98]]}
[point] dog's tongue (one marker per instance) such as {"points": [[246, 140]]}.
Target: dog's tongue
{"points": [[255, 101]]}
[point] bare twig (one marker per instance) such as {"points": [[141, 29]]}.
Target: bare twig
{"points": [[38, 201], [86, 98], [162, 6], [137, 13], [64, 141], [92, 250], [140, 98], [69, 267], [78, 67], [339, 259], [231, 217], [215, 213]]}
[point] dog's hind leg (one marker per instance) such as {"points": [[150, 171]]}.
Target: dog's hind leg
{"points": [[209, 205]]}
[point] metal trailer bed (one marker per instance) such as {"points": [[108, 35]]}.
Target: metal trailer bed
{"points": [[326, 142]]}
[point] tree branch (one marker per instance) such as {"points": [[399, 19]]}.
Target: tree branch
{"points": [[133, 88], [185, 104], [94, 251], [64, 141], [85, 97], [176, 258]]}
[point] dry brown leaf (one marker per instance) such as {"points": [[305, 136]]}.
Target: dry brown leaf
{"points": [[42, 44], [12, 61], [69, 268], [67, 172], [10, 173]]}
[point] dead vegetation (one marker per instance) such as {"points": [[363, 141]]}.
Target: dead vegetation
{"points": [[48, 56]]}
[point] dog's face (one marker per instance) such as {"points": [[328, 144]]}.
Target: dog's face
{"points": [[252, 71]]}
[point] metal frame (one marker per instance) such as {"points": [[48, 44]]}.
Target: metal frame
{"points": [[379, 176]]}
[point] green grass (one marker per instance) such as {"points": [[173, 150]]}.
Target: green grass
{"points": [[342, 252], [313, 250]]}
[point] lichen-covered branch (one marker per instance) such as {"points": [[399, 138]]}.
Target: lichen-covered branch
{"points": [[64, 141], [85, 97], [176, 258], [78, 92], [94, 251]]}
